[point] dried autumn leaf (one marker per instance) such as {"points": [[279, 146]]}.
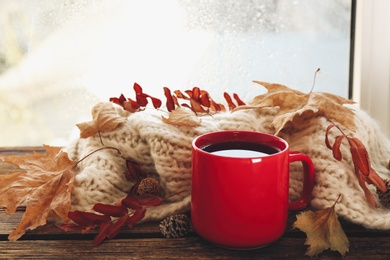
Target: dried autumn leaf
{"points": [[182, 117], [111, 210], [170, 103], [295, 105], [88, 219], [238, 100], [104, 119], [134, 172], [45, 186], [323, 231], [142, 98], [229, 100], [361, 162]]}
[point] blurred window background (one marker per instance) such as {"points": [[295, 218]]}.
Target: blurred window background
{"points": [[59, 58]]}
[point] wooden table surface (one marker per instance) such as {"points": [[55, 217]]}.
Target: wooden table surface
{"points": [[145, 241]]}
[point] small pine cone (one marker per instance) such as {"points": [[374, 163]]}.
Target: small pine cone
{"points": [[149, 185], [175, 226], [384, 197]]}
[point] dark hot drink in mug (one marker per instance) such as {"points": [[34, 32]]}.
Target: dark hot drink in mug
{"points": [[240, 149], [240, 187]]}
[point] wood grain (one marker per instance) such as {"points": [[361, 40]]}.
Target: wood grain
{"points": [[144, 241]]}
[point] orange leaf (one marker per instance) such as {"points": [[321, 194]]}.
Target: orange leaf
{"points": [[45, 186], [105, 119], [362, 182], [197, 107], [323, 231], [179, 94], [374, 178]]}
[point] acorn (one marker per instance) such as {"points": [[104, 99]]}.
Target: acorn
{"points": [[384, 197], [175, 226], [149, 185]]}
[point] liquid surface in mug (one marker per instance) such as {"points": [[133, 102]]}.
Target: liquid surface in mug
{"points": [[240, 149]]}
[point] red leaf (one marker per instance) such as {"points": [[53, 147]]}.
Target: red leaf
{"points": [[102, 235], [156, 102], [336, 147], [170, 102], [238, 100], [116, 227], [205, 100], [138, 215], [327, 143], [118, 101], [134, 189], [229, 100], [148, 200], [186, 105], [131, 202], [110, 210], [134, 171], [145, 200], [88, 218], [196, 93], [359, 155], [142, 99]]}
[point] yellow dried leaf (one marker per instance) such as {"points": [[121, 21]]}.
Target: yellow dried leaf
{"points": [[323, 231], [182, 117], [296, 107], [45, 186], [104, 119]]}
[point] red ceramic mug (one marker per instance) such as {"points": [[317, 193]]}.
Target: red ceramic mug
{"points": [[240, 187]]}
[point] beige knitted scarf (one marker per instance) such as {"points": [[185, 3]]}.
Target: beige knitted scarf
{"points": [[164, 151]]}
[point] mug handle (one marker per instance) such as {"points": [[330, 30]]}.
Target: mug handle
{"points": [[308, 180]]}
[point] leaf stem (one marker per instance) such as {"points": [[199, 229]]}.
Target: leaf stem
{"points": [[314, 80], [97, 150], [337, 200], [338, 127]]}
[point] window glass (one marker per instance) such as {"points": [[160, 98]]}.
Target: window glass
{"points": [[59, 58]]}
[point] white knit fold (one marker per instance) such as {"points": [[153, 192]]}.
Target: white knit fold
{"points": [[164, 151]]}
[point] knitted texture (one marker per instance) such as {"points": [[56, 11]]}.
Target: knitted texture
{"points": [[164, 151]]}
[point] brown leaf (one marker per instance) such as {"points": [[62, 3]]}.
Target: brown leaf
{"points": [[182, 117], [295, 104], [45, 186], [323, 231], [105, 119]]}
